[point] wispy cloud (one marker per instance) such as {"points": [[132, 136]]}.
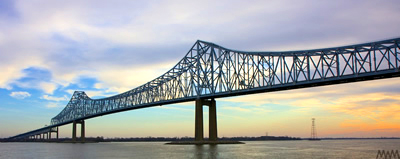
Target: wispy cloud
{"points": [[240, 109], [177, 108], [377, 106], [256, 110], [53, 98], [54, 105], [20, 95]]}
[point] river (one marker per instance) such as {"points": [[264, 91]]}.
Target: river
{"points": [[252, 149]]}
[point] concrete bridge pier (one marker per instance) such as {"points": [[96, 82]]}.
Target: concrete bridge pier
{"points": [[56, 131], [53, 130], [199, 134], [82, 122]]}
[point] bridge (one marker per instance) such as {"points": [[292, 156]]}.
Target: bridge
{"points": [[209, 71]]}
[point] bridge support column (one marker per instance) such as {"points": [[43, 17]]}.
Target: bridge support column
{"points": [[54, 130], [74, 131], [198, 132], [82, 131], [212, 112], [82, 122], [213, 134], [57, 133]]}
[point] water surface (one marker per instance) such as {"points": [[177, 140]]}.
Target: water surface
{"points": [[252, 149]]}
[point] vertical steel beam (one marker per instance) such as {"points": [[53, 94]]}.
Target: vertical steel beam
{"points": [[370, 61], [198, 70], [337, 64], [212, 70], [396, 54], [375, 68]]}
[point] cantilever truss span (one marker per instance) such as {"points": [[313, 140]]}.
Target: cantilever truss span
{"points": [[212, 71]]}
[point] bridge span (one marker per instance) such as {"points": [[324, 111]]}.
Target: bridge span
{"points": [[209, 71]]}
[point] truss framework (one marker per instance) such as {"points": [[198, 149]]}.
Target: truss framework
{"points": [[209, 70], [212, 71]]}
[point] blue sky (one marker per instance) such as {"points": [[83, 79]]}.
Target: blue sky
{"points": [[48, 49]]}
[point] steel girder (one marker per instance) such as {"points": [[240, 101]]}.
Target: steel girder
{"points": [[211, 71]]}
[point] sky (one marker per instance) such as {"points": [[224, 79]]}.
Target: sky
{"points": [[50, 48]]}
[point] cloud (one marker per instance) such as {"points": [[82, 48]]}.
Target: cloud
{"points": [[52, 98], [309, 102], [8, 75], [377, 106], [247, 109], [48, 87], [70, 45], [240, 109], [54, 105], [177, 108], [20, 95], [368, 126]]}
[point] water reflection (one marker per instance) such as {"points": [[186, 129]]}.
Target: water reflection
{"points": [[252, 149], [206, 151]]}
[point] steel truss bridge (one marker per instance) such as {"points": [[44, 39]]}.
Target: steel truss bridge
{"points": [[210, 71]]}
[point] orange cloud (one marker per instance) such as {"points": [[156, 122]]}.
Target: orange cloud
{"points": [[377, 106], [368, 126]]}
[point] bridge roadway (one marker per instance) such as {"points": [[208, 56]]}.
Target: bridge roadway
{"points": [[209, 71]]}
